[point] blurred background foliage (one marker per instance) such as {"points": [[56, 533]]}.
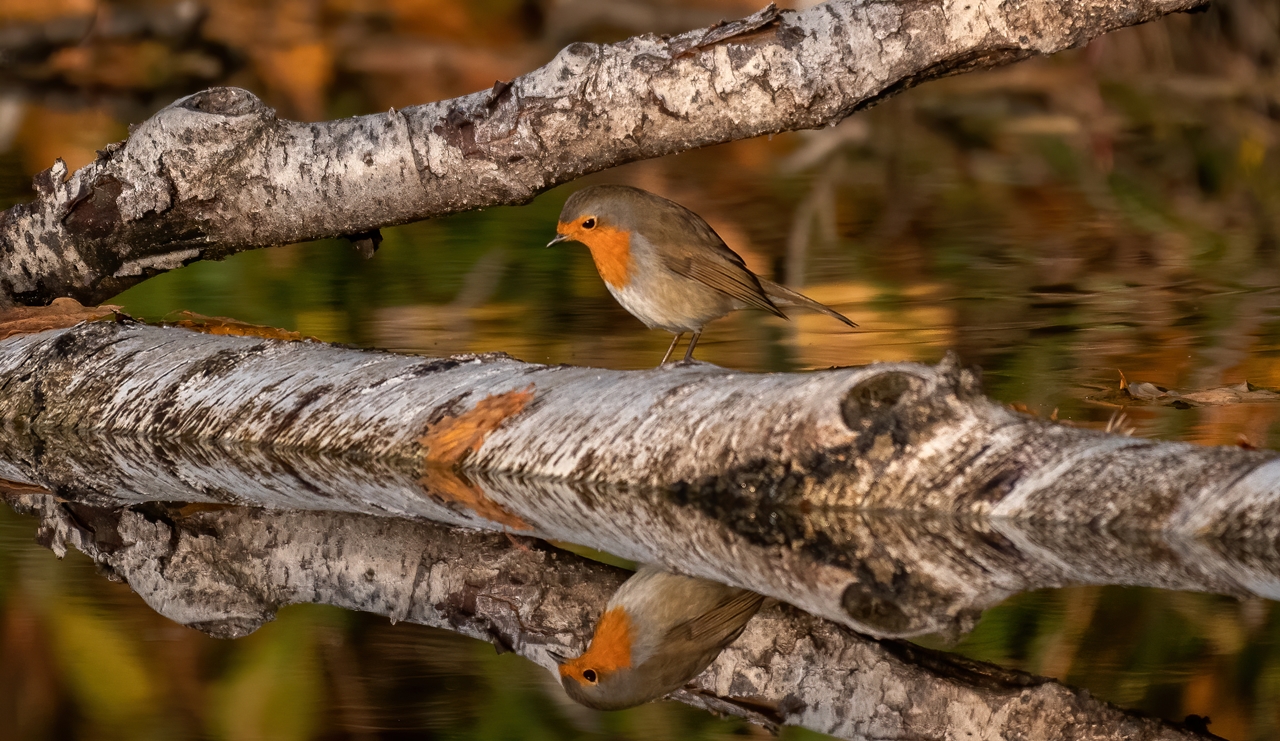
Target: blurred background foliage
{"points": [[1114, 208]]}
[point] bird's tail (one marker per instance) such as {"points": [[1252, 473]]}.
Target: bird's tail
{"points": [[787, 297]]}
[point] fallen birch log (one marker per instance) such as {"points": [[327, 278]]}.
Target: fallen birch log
{"points": [[892, 498], [227, 570], [217, 172]]}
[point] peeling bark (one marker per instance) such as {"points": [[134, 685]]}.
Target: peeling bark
{"points": [[217, 172], [227, 570], [894, 498]]}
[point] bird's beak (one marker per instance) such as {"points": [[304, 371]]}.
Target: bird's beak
{"points": [[556, 655], [558, 239]]}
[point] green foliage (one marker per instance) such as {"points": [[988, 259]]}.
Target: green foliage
{"points": [[273, 687], [103, 664]]}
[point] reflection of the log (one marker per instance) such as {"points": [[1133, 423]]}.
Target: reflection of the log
{"points": [[226, 570]]}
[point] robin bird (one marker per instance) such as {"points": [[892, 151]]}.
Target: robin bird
{"points": [[658, 631], [666, 265]]}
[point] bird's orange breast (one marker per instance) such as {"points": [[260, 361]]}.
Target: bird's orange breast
{"points": [[610, 248], [610, 647]]}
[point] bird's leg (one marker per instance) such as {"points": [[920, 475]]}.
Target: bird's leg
{"points": [[688, 354], [669, 349]]}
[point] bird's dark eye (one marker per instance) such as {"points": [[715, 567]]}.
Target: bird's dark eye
{"points": [[589, 224], [590, 675]]}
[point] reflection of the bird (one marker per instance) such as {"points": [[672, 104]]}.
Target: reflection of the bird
{"points": [[658, 631]]}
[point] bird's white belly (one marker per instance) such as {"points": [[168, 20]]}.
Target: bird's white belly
{"points": [[672, 307]]}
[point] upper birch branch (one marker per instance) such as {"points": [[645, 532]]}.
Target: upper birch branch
{"points": [[217, 172]]}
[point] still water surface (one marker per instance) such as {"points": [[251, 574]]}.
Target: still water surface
{"points": [[1113, 210]]}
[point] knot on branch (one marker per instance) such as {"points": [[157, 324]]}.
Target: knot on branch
{"points": [[189, 149], [224, 101], [902, 406], [566, 73], [875, 605], [889, 598]]}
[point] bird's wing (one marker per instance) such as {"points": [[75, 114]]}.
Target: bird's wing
{"points": [[721, 624], [722, 269]]}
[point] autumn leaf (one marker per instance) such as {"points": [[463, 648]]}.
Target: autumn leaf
{"points": [[228, 326], [62, 313], [1143, 393]]}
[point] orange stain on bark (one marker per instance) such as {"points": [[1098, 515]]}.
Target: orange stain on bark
{"points": [[448, 441], [610, 248], [448, 485], [610, 648]]}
